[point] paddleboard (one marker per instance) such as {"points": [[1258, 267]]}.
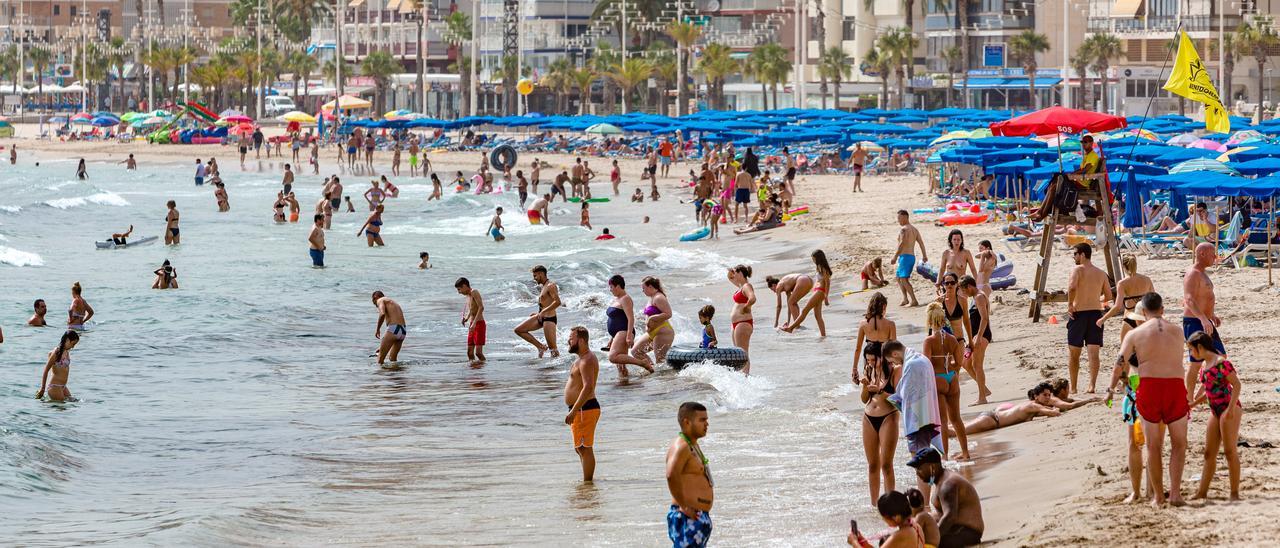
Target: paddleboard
{"points": [[109, 244]]}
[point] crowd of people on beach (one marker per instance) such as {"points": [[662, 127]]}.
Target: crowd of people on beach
{"points": [[907, 393]]}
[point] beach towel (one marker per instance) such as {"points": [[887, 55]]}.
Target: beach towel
{"points": [[916, 395]]}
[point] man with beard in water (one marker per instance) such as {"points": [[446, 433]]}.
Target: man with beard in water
{"points": [[580, 396], [689, 480]]}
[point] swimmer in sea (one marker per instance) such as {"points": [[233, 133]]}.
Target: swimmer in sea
{"points": [[372, 228], [39, 309], [59, 363], [741, 321], [171, 225], [495, 226], [390, 313], [287, 181], [545, 318], [220, 194], [323, 208], [820, 296], [796, 286], [473, 318], [130, 164], [316, 240], [580, 396], [658, 332], [351, 208], [80, 313], [166, 277], [374, 195], [122, 238], [82, 173], [585, 218], [436, 190], [620, 322], [294, 208], [278, 208], [424, 261]]}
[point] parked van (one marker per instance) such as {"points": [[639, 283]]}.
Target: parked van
{"points": [[276, 105]]}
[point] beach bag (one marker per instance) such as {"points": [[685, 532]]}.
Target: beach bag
{"points": [[1067, 197]]}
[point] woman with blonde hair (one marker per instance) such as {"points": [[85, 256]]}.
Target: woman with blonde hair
{"points": [[946, 353]]}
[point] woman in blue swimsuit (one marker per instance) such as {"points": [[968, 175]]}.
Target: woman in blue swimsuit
{"points": [[372, 227], [621, 324], [946, 353]]}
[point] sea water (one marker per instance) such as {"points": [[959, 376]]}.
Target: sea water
{"points": [[245, 407]]}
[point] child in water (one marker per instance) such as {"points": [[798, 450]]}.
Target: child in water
{"points": [[708, 331], [638, 197]]}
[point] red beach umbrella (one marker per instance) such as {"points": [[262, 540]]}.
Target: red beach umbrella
{"points": [[1057, 120]]}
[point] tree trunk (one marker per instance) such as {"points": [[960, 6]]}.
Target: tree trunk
{"points": [[902, 82], [295, 88], [1229, 65], [682, 94], [836, 84], [775, 96], [764, 96], [1102, 77], [1031, 88], [884, 92], [822, 90], [1261, 81], [123, 103]]}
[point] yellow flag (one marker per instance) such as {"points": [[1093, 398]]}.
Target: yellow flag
{"points": [[1190, 79]]}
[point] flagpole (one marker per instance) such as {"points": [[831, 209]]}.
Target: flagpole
{"points": [[1176, 33]]}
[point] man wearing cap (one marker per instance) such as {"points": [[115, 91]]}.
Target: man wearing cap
{"points": [[956, 504], [917, 397]]}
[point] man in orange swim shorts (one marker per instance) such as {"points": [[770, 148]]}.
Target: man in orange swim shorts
{"points": [[580, 396]]}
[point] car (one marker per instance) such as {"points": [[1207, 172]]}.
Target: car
{"points": [[276, 105]]}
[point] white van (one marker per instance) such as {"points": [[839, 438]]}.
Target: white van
{"points": [[276, 105]]}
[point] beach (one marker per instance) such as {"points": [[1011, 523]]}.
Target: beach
{"points": [[441, 437]]}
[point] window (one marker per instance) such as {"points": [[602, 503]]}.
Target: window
{"points": [[57, 10], [73, 11], [848, 29]]}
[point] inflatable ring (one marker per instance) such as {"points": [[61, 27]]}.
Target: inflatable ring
{"points": [[502, 157], [681, 356]]}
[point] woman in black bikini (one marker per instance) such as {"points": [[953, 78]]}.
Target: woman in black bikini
{"points": [[879, 420], [953, 304], [946, 354], [979, 329]]}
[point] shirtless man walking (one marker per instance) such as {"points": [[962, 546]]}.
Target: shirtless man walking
{"points": [[689, 480], [1087, 289], [171, 224], [958, 508], [389, 311], [859, 160], [580, 396], [908, 238], [1198, 303], [316, 239], [473, 318], [545, 317], [1157, 346]]}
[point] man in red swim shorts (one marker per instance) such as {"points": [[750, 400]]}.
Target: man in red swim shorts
{"points": [[473, 318], [1156, 346]]}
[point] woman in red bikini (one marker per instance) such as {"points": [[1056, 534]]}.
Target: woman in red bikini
{"points": [[741, 322], [819, 297]]}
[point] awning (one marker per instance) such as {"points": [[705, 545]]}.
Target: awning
{"points": [[393, 5], [1006, 83], [355, 3], [1126, 9]]}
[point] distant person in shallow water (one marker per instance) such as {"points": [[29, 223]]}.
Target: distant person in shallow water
{"points": [[82, 172], [59, 364]]}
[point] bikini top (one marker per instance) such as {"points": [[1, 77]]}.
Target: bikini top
{"points": [[739, 298], [64, 362], [651, 310]]}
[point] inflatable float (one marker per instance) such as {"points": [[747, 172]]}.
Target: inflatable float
{"points": [[502, 157], [961, 217], [696, 234], [577, 199], [681, 356], [1001, 278]]}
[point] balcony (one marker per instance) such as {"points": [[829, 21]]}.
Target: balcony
{"points": [[1164, 25]]}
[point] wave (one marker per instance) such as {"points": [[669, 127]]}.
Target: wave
{"points": [[101, 198], [17, 257], [733, 389], [10, 209]]}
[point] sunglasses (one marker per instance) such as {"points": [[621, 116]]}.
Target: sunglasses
{"points": [[948, 283]]}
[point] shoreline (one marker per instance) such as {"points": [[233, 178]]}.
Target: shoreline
{"points": [[1043, 482]]}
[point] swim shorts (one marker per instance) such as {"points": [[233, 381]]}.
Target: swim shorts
{"points": [[496, 233], [922, 438], [535, 217], [317, 257], [906, 263], [335, 202], [475, 335], [742, 195], [583, 427], [685, 532], [1191, 325], [351, 150], [666, 160], [791, 173], [244, 150], [199, 181], [959, 536], [1083, 329], [857, 169], [396, 330], [1162, 400]]}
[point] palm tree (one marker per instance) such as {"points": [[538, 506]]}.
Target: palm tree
{"points": [[717, 64], [510, 73], [1024, 47], [629, 74], [458, 32], [899, 45], [665, 72], [757, 66], [685, 36], [1228, 66], [40, 59], [9, 68], [637, 10], [1256, 39], [834, 65], [603, 62], [559, 77], [213, 77], [1105, 48], [879, 62], [380, 65], [294, 17], [582, 79], [1080, 62], [778, 67], [954, 59], [301, 66], [182, 59], [95, 69], [117, 59]]}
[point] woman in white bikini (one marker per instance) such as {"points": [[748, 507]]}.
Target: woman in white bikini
{"points": [[59, 364]]}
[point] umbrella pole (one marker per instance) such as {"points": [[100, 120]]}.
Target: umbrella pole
{"points": [[1271, 229]]}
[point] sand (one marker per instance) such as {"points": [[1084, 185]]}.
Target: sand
{"points": [[1055, 481]]}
